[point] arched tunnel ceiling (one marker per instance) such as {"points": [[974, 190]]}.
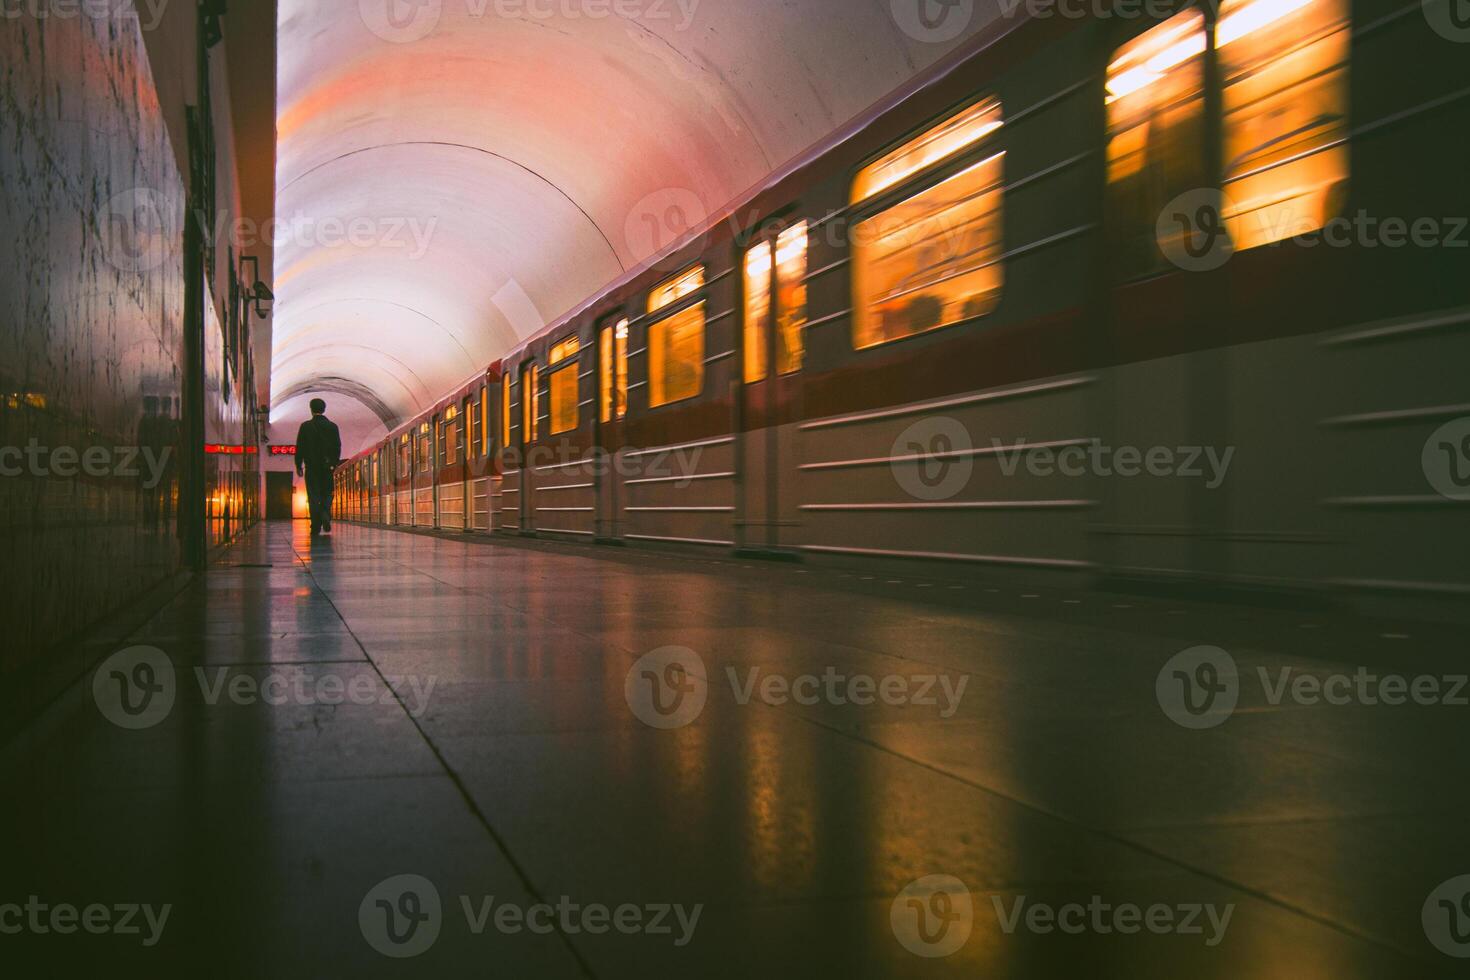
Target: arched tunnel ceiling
{"points": [[454, 174]]}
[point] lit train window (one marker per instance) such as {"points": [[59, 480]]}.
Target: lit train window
{"points": [[484, 420], [530, 405], [451, 435], [789, 267], [941, 143], [1284, 66], [405, 457], [931, 260], [426, 447], [676, 344], [757, 309], [564, 399], [472, 429], [676, 357], [1155, 101], [668, 293], [567, 348], [790, 298], [505, 406], [613, 369]]}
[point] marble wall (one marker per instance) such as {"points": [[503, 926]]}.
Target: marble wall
{"points": [[92, 206]]}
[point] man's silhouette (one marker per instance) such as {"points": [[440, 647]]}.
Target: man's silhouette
{"points": [[318, 453]]}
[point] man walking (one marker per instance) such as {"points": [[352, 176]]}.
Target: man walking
{"points": [[318, 453]]}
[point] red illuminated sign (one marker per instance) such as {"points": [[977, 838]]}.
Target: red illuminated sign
{"points": [[212, 449], [283, 450]]}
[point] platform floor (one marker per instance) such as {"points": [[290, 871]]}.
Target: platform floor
{"points": [[491, 743]]}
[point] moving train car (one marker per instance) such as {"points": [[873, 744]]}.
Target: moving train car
{"points": [[1154, 299]]}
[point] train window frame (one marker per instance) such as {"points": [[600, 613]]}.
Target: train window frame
{"points": [[684, 295], [870, 204], [425, 438]]}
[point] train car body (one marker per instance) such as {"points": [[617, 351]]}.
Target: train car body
{"points": [[1097, 297]]}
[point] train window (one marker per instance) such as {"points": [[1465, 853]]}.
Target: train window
{"points": [[1284, 67], [564, 391], [425, 447], [789, 267], [676, 344], [450, 427], [933, 259], [757, 309], [530, 405], [676, 357], [567, 348], [790, 298], [405, 457], [944, 141], [1155, 103], [675, 289], [613, 367], [472, 428], [484, 420], [505, 406]]}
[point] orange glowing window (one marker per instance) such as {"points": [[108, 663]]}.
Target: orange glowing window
{"points": [[530, 405], [506, 401], [1155, 102], [931, 260], [944, 141], [791, 298], [567, 348], [789, 267], [675, 289], [676, 357], [1285, 68], [758, 267], [613, 366], [484, 405], [425, 447], [564, 400]]}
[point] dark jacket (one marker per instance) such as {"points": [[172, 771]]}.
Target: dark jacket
{"points": [[318, 444]]}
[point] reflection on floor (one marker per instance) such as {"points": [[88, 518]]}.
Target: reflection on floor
{"points": [[382, 753]]}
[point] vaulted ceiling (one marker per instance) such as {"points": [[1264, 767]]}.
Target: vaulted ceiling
{"points": [[454, 174]]}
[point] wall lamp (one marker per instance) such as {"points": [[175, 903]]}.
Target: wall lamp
{"points": [[259, 293]]}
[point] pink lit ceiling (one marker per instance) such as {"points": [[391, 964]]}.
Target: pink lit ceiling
{"points": [[454, 174]]}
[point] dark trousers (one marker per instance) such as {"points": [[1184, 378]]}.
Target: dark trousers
{"points": [[319, 495]]}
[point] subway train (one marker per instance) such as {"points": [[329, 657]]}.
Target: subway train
{"points": [[1171, 297]]}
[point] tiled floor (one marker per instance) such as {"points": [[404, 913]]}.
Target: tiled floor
{"points": [[478, 715]]}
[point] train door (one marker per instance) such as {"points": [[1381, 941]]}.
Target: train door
{"points": [[775, 269], [612, 410]]}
